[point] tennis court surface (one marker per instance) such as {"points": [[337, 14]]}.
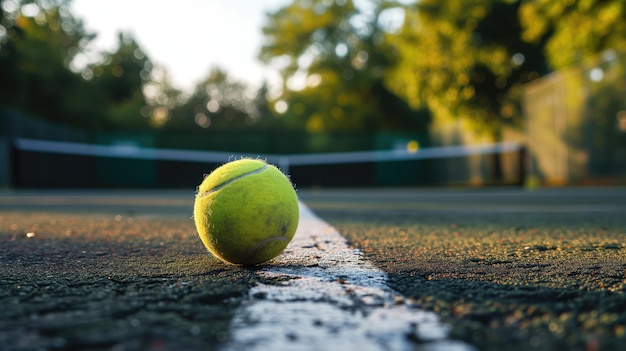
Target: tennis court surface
{"points": [[397, 269]]}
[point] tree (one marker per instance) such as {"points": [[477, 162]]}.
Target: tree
{"points": [[37, 46], [217, 103], [574, 29], [120, 78], [465, 59], [44, 69], [333, 61], [590, 37], [161, 97]]}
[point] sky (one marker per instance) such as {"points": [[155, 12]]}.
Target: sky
{"points": [[187, 37]]}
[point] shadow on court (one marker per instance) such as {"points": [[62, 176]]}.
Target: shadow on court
{"points": [[509, 269], [125, 270]]}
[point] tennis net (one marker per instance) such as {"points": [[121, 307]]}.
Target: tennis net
{"points": [[59, 163]]}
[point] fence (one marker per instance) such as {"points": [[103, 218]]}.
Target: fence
{"points": [[576, 123]]}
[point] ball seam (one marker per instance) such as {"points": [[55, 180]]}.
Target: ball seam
{"points": [[220, 186]]}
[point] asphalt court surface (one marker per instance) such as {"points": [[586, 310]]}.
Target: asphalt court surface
{"points": [[509, 268], [506, 267]]}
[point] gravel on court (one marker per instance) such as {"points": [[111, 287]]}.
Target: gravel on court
{"points": [[513, 271], [112, 282], [507, 269]]}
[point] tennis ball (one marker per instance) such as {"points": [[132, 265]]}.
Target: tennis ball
{"points": [[246, 212]]}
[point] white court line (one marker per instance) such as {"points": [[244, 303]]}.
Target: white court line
{"points": [[325, 295]]}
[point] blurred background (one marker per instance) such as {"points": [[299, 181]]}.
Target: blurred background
{"points": [[360, 93]]}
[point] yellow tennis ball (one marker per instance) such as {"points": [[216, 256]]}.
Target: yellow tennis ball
{"points": [[246, 212]]}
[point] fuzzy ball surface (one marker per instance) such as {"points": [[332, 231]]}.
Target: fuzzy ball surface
{"points": [[246, 212]]}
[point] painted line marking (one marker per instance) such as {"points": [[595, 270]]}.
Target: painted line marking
{"points": [[324, 295]]}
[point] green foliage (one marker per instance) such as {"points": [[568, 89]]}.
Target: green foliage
{"points": [[464, 59], [333, 61], [574, 29], [40, 71], [120, 78], [343, 69], [41, 39], [218, 103], [161, 97]]}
